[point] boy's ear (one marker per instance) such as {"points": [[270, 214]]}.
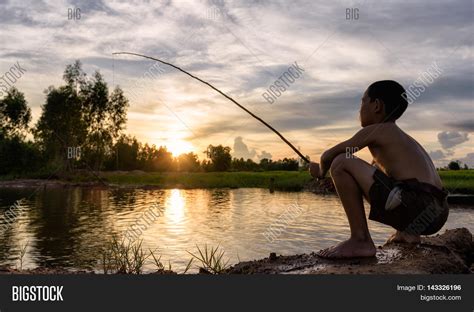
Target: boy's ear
{"points": [[379, 104]]}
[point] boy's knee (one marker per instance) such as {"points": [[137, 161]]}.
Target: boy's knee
{"points": [[338, 163]]}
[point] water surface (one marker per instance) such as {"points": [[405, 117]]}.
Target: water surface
{"points": [[68, 227]]}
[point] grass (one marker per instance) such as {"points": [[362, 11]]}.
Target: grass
{"points": [[282, 180], [123, 257], [458, 181], [212, 259], [22, 254]]}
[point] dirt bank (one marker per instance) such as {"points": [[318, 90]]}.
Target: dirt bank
{"points": [[449, 253], [44, 183]]}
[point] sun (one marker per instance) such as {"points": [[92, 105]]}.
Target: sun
{"points": [[178, 147]]}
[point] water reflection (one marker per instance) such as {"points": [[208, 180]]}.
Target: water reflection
{"points": [[175, 206], [69, 226]]}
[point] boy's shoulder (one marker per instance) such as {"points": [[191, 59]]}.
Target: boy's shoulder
{"points": [[384, 134], [381, 130]]}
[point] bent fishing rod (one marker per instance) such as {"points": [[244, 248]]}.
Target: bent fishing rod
{"points": [[226, 96]]}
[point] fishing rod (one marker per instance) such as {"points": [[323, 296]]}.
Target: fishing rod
{"points": [[226, 96]]}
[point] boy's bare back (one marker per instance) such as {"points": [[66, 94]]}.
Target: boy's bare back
{"points": [[400, 156]]}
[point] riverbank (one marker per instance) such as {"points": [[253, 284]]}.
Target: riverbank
{"points": [[449, 253], [277, 180], [460, 182]]}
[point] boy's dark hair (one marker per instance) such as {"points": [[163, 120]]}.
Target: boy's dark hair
{"points": [[392, 95]]}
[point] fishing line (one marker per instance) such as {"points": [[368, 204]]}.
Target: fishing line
{"points": [[113, 71]]}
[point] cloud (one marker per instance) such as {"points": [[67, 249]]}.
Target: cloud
{"points": [[468, 160], [449, 139], [441, 158], [437, 155], [245, 50], [241, 150], [463, 125], [263, 155]]}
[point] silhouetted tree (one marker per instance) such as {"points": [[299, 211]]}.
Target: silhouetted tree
{"points": [[61, 125], [219, 156], [105, 117], [454, 165], [82, 115], [14, 114], [16, 155], [156, 159], [188, 162], [244, 165], [124, 154]]}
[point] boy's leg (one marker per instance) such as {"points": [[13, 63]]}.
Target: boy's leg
{"points": [[353, 178]]}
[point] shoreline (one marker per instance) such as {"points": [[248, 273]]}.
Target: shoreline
{"points": [[458, 183], [451, 252], [276, 180]]}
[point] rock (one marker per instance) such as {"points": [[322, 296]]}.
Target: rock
{"points": [[164, 272], [204, 271], [449, 253]]}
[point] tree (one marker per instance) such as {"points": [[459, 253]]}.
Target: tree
{"points": [[15, 114], [74, 76], [454, 165], [61, 125], [219, 156], [156, 159], [105, 117], [206, 165], [124, 155], [244, 165], [16, 155], [82, 115], [265, 163], [188, 162]]}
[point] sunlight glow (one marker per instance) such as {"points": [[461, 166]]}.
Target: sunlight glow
{"points": [[175, 204], [179, 147]]}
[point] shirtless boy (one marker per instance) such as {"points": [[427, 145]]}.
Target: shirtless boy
{"points": [[402, 186]]}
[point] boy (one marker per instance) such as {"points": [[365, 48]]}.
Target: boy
{"points": [[403, 188]]}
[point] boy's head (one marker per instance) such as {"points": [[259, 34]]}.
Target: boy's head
{"points": [[382, 101]]}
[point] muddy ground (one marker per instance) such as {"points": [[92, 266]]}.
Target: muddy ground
{"points": [[448, 253]]}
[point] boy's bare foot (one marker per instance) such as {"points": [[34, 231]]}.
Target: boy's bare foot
{"points": [[403, 237], [350, 248]]}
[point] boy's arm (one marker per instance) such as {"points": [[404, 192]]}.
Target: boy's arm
{"points": [[366, 136]]}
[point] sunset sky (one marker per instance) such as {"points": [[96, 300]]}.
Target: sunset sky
{"points": [[242, 47]]}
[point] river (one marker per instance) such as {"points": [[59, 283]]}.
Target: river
{"points": [[68, 227]]}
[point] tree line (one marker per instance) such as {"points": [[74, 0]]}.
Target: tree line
{"points": [[81, 126]]}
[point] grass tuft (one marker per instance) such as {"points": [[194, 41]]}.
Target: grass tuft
{"points": [[23, 249], [121, 257], [211, 259]]}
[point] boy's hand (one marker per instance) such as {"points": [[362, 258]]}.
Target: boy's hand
{"points": [[314, 170]]}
